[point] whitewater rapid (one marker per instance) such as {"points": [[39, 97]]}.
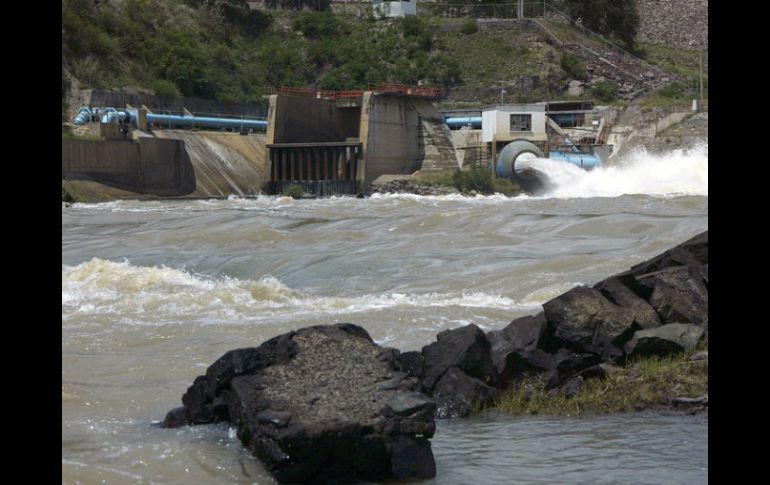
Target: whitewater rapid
{"points": [[676, 173]]}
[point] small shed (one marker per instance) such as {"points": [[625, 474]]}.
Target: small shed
{"points": [[394, 9], [514, 121]]}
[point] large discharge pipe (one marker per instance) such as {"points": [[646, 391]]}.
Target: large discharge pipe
{"points": [[513, 163]]}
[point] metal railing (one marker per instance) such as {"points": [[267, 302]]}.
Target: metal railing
{"points": [[429, 92]]}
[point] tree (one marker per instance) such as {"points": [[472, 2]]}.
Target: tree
{"points": [[618, 18]]}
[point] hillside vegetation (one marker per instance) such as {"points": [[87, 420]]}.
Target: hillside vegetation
{"points": [[171, 48], [221, 50]]}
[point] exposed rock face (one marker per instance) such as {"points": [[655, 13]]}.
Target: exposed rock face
{"points": [[682, 24], [317, 405]]}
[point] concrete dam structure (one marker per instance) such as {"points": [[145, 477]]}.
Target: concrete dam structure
{"points": [[326, 146], [341, 146], [173, 163]]}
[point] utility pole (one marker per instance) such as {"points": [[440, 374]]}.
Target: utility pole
{"points": [[700, 63]]}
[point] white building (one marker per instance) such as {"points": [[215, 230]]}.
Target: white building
{"points": [[512, 121], [394, 9]]}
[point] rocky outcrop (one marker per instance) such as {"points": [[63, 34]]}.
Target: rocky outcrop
{"points": [[658, 307], [682, 24], [326, 404], [321, 404]]}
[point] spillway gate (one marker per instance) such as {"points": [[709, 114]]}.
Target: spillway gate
{"points": [[320, 168]]}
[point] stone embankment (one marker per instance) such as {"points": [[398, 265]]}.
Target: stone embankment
{"points": [[325, 404]]}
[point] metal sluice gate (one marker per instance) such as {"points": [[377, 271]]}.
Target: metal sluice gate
{"points": [[321, 169]]}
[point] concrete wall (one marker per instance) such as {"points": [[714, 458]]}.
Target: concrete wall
{"points": [[299, 119], [389, 134], [401, 135], [224, 163], [348, 122], [471, 152], [436, 146], [173, 163], [145, 167]]}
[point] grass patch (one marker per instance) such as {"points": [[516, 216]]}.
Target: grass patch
{"points": [[465, 181], [294, 191], [643, 384], [65, 197]]}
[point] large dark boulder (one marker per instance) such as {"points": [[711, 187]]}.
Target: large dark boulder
{"points": [[586, 321], [678, 294], [321, 404], [457, 394], [567, 364], [466, 348], [515, 349], [694, 251], [643, 315], [664, 340]]}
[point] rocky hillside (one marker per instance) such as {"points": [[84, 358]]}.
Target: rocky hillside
{"points": [[682, 24]]}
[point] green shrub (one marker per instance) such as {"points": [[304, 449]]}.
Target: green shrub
{"points": [[162, 87], [573, 66], [316, 25], [605, 91], [477, 179], [675, 90], [470, 27], [505, 187], [294, 191]]}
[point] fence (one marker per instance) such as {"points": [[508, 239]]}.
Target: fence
{"points": [[429, 92]]}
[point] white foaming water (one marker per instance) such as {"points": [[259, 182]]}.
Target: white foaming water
{"points": [[106, 287], [675, 173]]}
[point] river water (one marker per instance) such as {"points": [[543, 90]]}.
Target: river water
{"points": [[155, 291]]}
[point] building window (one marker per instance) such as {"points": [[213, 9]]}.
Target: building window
{"points": [[521, 122]]}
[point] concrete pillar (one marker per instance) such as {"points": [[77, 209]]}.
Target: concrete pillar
{"points": [[301, 155], [141, 122]]}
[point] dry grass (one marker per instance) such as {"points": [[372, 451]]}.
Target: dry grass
{"points": [[644, 384]]}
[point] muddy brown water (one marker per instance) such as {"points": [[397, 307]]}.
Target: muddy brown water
{"points": [[154, 292]]}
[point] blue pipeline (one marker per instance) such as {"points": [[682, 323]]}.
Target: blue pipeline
{"points": [[582, 160], [83, 116], [176, 121], [459, 122], [112, 115]]}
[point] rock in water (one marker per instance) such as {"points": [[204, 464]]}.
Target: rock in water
{"points": [[321, 404]]}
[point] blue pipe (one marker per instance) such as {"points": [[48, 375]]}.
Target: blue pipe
{"points": [[83, 116], [583, 160], [458, 122], [177, 121], [112, 115]]}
